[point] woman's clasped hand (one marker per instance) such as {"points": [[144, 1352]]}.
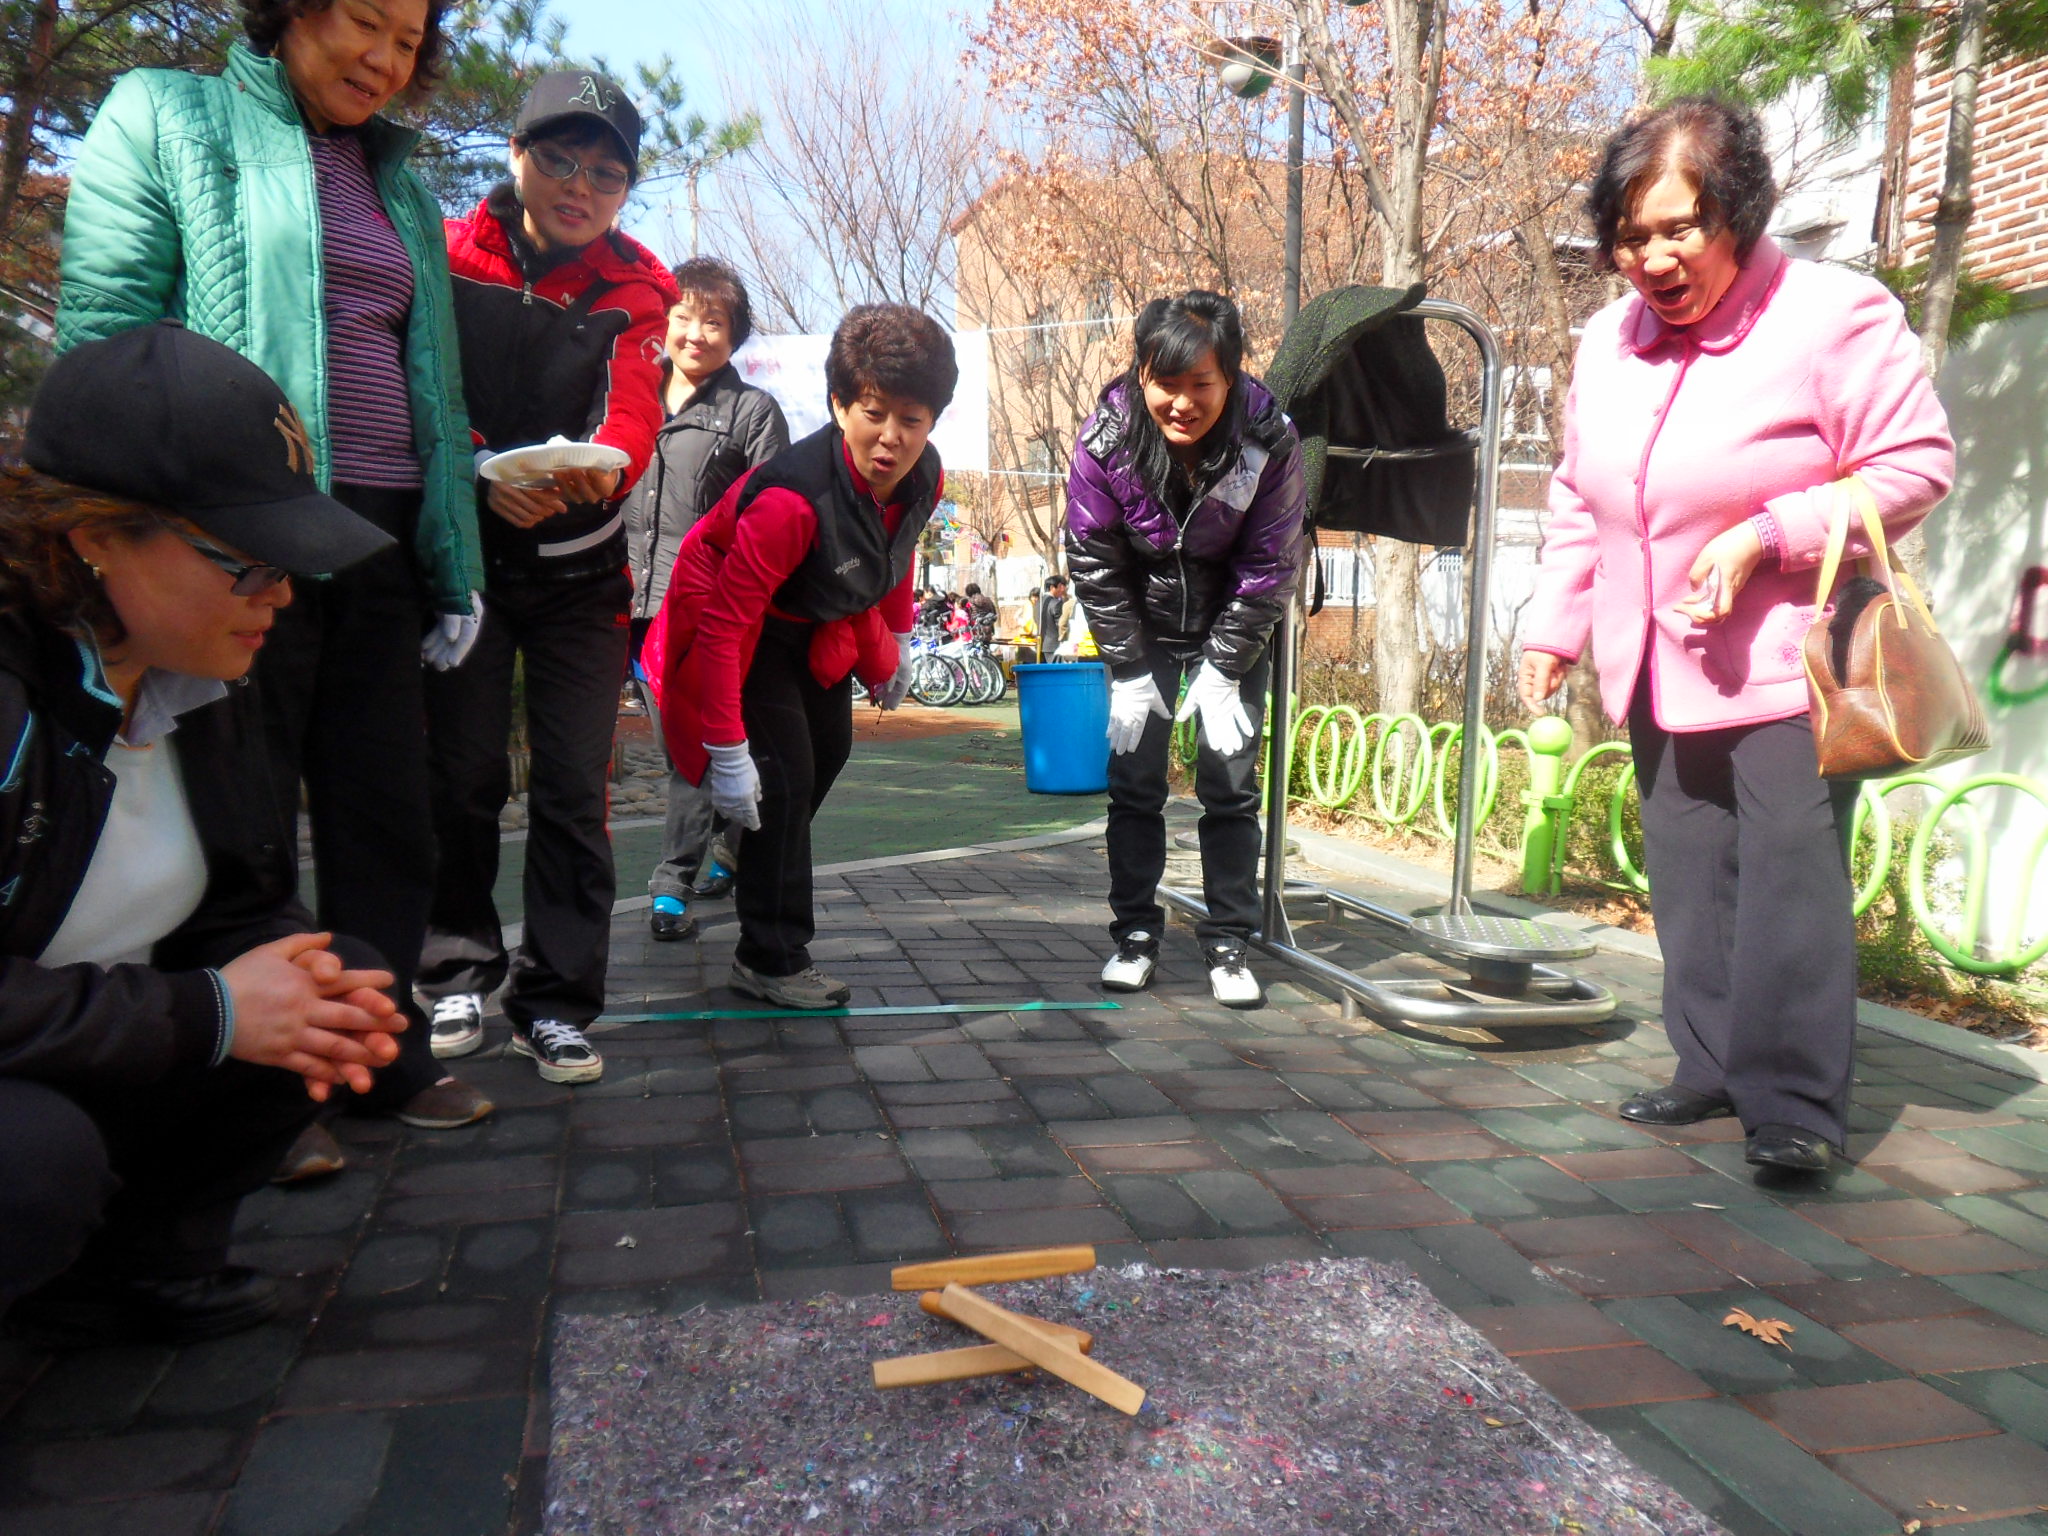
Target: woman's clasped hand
{"points": [[297, 1006]]}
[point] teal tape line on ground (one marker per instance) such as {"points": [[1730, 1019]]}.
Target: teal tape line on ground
{"points": [[1092, 1004]]}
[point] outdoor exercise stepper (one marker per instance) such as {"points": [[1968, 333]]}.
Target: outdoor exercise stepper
{"points": [[1510, 963]]}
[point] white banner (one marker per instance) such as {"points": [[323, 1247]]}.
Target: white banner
{"points": [[792, 369]]}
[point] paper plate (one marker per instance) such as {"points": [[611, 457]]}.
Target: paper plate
{"points": [[532, 466]]}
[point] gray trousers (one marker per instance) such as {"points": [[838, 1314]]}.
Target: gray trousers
{"points": [[1747, 848], [692, 833], [685, 838]]}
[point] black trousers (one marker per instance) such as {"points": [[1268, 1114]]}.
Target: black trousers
{"points": [[1747, 849], [801, 735], [141, 1183], [341, 686], [1228, 788], [573, 638]]}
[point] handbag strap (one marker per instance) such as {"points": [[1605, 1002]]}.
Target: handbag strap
{"points": [[1881, 560]]}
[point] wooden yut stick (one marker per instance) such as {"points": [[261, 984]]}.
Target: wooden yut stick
{"points": [[1064, 1361], [993, 1268], [934, 1303], [958, 1364]]}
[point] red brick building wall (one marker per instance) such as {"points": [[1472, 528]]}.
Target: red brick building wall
{"points": [[2008, 237]]}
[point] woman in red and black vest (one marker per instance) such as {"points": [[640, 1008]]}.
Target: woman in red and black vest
{"points": [[798, 578]]}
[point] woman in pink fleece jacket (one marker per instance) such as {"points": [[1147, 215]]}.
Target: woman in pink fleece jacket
{"points": [[1712, 414]]}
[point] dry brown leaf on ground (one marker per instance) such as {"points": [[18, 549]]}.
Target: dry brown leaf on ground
{"points": [[1771, 1330]]}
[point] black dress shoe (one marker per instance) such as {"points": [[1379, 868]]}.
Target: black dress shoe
{"points": [[78, 1309], [1674, 1105], [1791, 1147], [669, 920]]}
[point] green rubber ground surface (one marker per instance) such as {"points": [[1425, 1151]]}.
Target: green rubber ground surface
{"points": [[906, 795]]}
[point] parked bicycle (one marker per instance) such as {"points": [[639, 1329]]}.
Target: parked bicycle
{"points": [[946, 672]]}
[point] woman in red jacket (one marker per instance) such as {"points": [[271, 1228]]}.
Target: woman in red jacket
{"points": [[798, 578]]}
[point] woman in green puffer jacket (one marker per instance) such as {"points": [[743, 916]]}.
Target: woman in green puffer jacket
{"points": [[270, 208]]}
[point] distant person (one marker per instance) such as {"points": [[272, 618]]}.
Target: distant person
{"points": [[799, 578], [1052, 616], [1027, 628], [1184, 534], [1714, 415], [981, 615], [168, 1018], [560, 315], [271, 207], [715, 427]]}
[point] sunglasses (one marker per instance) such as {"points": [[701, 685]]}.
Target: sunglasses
{"points": [[250, 578], [606, 180]]}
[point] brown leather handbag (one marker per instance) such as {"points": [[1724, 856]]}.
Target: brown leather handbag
{"points": [[1887, 694]]}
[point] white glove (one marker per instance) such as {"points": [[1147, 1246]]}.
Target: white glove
{"points": [[1132, 702], [891, 693], [735, 784], [449, 641], [1225, 725]]}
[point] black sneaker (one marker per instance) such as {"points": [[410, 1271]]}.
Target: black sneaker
{"points": [[1130, 968], [1231, 982], [458, 1024], [558, 1050]]}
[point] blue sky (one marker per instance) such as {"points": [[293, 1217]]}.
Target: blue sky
{"points": [[706, 42]]}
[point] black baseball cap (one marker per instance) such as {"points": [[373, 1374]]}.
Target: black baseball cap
{"points": [[165, 416], [563, 94]]}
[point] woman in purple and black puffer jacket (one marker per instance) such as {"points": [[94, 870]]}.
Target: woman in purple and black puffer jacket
{"points": [[1184, 537]]}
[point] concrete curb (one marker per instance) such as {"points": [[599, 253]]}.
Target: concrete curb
{"points": [[1345, 857]]}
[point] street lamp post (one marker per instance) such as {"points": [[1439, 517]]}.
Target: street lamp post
{"points": [[1248, 82], [1248, 65]]}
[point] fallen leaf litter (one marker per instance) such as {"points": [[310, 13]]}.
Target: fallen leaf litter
{"points": [[1338, 1396]]}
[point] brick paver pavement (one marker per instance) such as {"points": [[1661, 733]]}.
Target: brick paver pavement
{"points": [[405, 1390]]}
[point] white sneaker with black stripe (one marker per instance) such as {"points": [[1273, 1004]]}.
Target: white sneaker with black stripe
{"points": [[1130, 968], [458, 1024], [559, 1051], [1231, 982]]}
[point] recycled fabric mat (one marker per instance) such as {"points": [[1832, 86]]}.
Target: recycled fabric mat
{"points": [[1336, 1396]]}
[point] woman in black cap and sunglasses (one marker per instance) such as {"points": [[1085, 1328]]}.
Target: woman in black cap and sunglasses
{"points": [[168, 1018]]}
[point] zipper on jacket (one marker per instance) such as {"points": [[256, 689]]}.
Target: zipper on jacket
{"points": [[526, 293]]}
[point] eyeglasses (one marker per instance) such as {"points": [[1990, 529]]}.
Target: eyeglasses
{"points": [[250, 578], [605, 180]]}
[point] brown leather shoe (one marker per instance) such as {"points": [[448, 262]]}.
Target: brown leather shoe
{"points": [[446, 1105], [315, 1155]]}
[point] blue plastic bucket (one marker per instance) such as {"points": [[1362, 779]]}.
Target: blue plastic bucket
{"points": [[1064, 710]]}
